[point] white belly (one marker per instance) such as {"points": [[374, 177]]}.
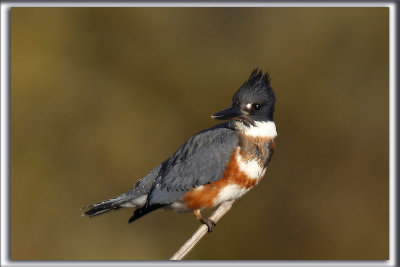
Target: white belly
{"points": [[230, 192]]}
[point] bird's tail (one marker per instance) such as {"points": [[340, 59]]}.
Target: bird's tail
{"points": [[102, 207], [134, 198], [107, 205]]}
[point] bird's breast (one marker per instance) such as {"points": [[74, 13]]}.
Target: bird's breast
{"points": [[247, 165]]}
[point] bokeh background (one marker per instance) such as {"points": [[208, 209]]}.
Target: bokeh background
{"points": [[99, 96]]}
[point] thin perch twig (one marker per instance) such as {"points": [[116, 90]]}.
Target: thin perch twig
{"points": [[192, 241]]}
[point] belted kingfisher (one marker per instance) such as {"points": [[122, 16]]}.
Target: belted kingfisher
{"points": [[215, 165]]}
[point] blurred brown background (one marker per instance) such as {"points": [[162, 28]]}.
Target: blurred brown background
{"points": [[100, 96]]}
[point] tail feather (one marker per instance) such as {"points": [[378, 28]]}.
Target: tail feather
{"points": [[140, 190], [143, 211], [102, 207], [109, 204]]}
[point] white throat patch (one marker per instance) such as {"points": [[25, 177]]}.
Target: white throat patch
{"points": [[259, 129]]}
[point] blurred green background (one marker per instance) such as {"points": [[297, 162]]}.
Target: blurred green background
{"points": [[100, 96]]}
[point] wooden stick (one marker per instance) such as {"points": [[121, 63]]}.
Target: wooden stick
{"points": [[195, 238]]}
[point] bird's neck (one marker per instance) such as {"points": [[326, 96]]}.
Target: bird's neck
{"points": [[262, 129], [256, 142]]}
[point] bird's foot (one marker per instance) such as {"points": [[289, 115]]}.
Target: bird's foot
{"points": [[210, 223]]}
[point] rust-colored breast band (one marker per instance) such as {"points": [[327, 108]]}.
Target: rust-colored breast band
{"points": [[205, 196]]}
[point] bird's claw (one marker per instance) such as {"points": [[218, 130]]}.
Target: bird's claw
{"points": [[210, 223]]}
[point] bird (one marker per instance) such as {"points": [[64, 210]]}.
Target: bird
{"points": [[215, 165]]}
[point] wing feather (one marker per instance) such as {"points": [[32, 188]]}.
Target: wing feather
{"points": [[201, 160]]}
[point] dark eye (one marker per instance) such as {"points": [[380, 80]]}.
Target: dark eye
{"points": [[256, 106]]}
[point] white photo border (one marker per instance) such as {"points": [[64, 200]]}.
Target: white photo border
{"points": [[5, 130]]}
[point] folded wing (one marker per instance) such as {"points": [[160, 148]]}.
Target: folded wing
{"points": [[201, 160]]}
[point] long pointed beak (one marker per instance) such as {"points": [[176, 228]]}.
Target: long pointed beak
{"points": [[226, 114]]}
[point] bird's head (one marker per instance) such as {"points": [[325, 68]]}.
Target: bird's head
{"points": [[253, 102]]}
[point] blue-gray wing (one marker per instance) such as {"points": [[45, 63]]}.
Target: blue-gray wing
{"points": [[201, 160]]}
